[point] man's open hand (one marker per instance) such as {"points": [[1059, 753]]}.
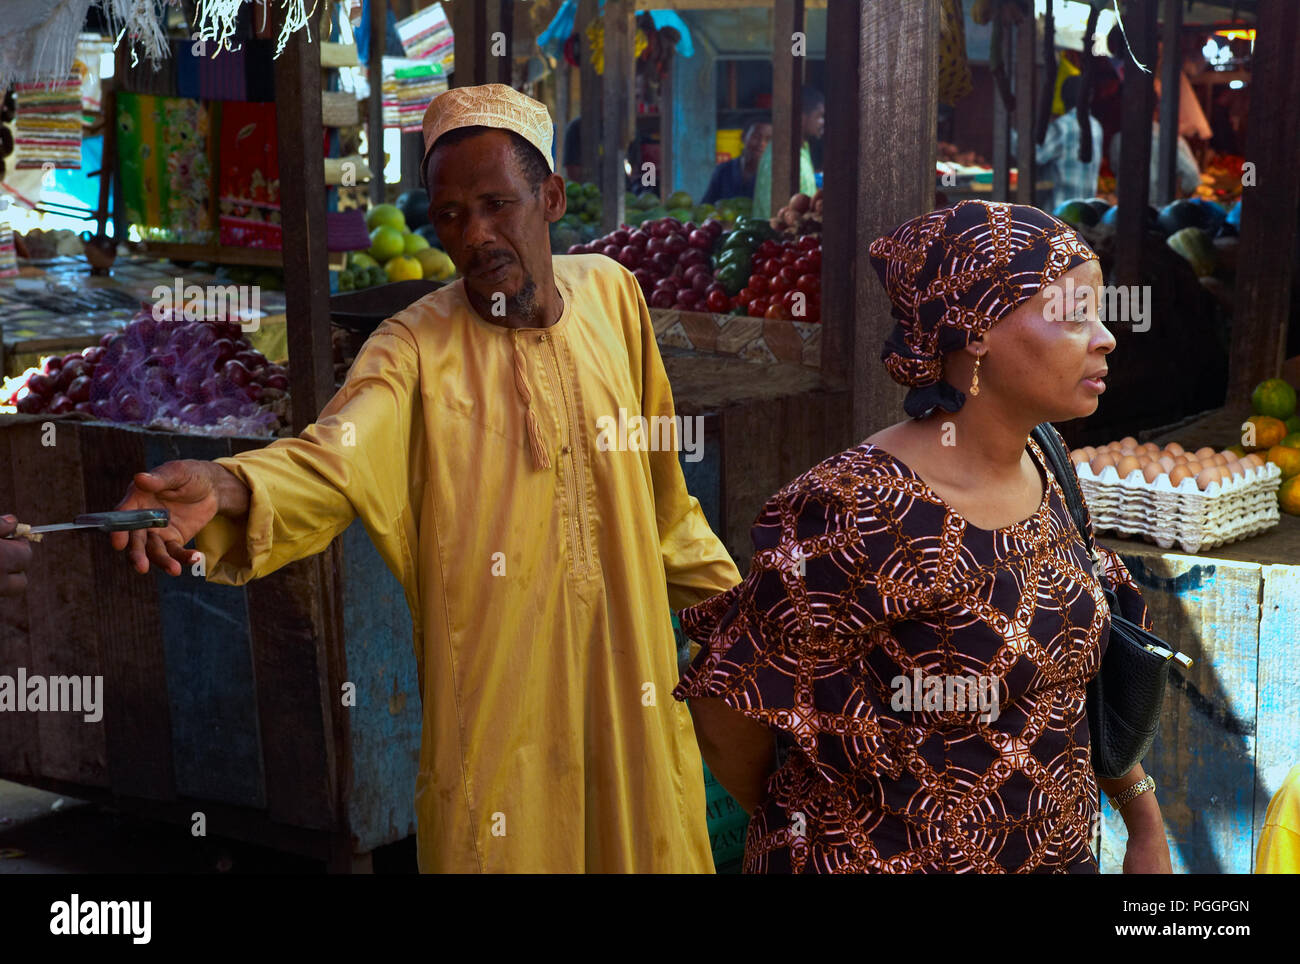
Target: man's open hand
{"points": [[187, 491]]}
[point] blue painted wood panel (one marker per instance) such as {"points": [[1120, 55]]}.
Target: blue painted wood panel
{"points": [[216, 744], [385, 723], [1203, 760]]}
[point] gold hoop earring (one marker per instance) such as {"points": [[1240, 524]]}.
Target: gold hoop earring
{"points": [[975, 377]]}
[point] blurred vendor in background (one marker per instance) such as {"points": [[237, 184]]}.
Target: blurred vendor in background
{"points": [[814, 125], [736, 177]]}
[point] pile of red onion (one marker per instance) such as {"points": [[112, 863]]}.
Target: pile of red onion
{"points": [[196, 372]]}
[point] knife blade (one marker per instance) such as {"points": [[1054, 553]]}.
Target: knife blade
{"points": [[112, 521]]}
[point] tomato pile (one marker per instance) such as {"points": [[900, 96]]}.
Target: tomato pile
{"points": [[786, 281], [670, 260]]}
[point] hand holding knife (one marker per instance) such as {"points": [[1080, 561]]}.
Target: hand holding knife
{"points": [[102, 521]]}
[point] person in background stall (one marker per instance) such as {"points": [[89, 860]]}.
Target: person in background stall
{"points": [[1058, 155], [540, 552], [15, 557], [736, 177], [814, 125], [1187, 174]]}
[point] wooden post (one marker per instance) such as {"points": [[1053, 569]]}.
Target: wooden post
{"points": [[1170, 86], [375, 103], [840, 221], [787, 107], [590, 92], [1001, 138], [562, 79], [1268, 220], [302, 208], [1134, 175], [1026, 96], [884, 56], [503, 66], [617, 108], [665, 172]]}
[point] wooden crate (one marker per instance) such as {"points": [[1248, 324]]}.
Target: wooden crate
{"points": [[215, 699]]}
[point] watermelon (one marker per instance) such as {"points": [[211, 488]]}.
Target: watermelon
{"points": [[1111, 217], [1213, 213], [1196, 248], [1077, 213], [1177, 215], [1098, 205], [414, 206], [428, 232]]}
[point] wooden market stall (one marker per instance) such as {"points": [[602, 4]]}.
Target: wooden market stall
{"points": [[286, 713]]}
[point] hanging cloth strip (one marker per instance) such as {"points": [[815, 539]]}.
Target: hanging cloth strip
{"points": [[540, 459]]}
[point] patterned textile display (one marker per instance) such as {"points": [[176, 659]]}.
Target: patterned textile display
{"points": [[166, 175], [8, 256], [249, 185], [408, 89], [863, 583], [954, 273], [47, 128], [427, 35]]}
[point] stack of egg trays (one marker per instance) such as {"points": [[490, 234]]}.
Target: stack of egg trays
{"points": [[1194, 519]]}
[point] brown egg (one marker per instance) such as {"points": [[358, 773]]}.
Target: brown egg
{"points": [[1078, 456], [1208, 477], [1230, 455], [1236, 469], [1252, 461], [1173, 448], [1204, 452], [1167, 462], [1180, 459], [1153, 471], [1152, 448], [1179, 473], [1128, 465], [1090, 451], [1129, 440], [1114, 446], [1218, 458], [1101, 462]]}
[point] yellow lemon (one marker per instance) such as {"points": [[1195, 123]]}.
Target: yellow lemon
{"points": [[402, 268]]}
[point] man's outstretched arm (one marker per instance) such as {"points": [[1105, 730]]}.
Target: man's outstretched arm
{"points": [[260, 510]]}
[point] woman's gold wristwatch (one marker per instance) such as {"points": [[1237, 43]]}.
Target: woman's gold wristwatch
{"points": [[1127, 795]]}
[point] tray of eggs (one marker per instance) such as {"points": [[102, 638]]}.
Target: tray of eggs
{"points": [[1170, 496]]}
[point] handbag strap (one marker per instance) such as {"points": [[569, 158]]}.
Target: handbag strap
{"points": [[1059, 459]]}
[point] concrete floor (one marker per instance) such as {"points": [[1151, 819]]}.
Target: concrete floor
{"points": [[44, 833]]}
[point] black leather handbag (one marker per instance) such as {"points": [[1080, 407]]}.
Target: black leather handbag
{"points": [[1126, 696]]}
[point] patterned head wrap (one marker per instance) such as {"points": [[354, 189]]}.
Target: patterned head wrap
{"points": [[952, 275], [488, 105]]}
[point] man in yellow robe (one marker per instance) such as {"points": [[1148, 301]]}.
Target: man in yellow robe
{"points": [[539, 560]]}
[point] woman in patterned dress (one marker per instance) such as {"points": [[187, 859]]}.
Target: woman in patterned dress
{"points": [[920, 618]]}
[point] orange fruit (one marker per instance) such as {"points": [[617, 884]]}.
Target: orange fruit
{"points": [[1288, 496], [1268, 431], [1275, 397], [1285, 458]]}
